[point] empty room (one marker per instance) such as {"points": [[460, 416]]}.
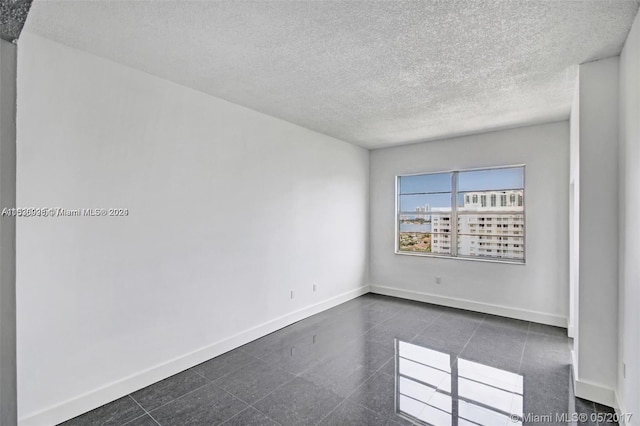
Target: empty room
{"points": [[319, 212]]}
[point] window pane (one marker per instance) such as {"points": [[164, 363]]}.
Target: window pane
{"points": [[425, 203], [491, 224], [437, 182], [491, 246], [491, 235], [419, 242], [492, 179]]}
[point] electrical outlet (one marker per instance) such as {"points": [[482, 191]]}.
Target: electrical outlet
{"points": [[292, 294], [438, 280]]}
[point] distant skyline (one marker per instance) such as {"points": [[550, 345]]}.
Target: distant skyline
{"points": [[475, 180]]}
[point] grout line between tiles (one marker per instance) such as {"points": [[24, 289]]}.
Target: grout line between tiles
{"points": [[201, 375], [235, 415], [471, 337], [175, 399], [137, 418], [427, 326], [252, 405], [526, 339], [145, 410], [353, 391]]}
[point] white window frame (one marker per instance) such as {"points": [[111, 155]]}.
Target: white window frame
{"points": [[454, 217]]}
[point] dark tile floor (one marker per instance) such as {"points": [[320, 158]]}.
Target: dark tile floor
{"points": [[375, 360]]}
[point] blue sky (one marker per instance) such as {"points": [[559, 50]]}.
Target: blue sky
{"points": [[477, 180]]}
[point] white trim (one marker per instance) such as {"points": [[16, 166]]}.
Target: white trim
{"points": [[114, 390], [523, 314], [620, 406], [570, 331], [594, 392], [448, 256]]}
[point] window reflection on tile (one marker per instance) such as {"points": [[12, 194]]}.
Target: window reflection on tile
{"points": [[432, 387]]}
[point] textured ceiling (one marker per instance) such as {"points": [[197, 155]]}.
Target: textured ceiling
{"points": [[372, 73], [13, 14]]}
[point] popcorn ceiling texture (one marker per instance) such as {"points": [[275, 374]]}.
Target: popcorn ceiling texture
{"points": [[371, 73], [13, 14]]}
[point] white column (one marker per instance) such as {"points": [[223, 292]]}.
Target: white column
{"points": [[595, 310]]}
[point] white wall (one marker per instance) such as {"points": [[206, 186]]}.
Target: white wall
{"points": [[596, 337], [629, 244], [229, 211], [538, 290], [7, 233]]}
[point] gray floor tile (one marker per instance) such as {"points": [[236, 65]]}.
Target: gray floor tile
{"points": [[254, 381], [274, 341], [343, 372], [541, 403], [344, 333], [448, 335], [402, 327], [300, 402], [378, 394], [605, 415], [298, 356], [600, 408], [496, 342], [349, 413], [421, 313], [208, 406], [114, 413], [168, 389], [554, 380], [250, 417], [389, 367], [504, 322], [585, 410], [547, 330], [378, 312], [224, 364], [145, 420], [462, 314], [543, 350]]}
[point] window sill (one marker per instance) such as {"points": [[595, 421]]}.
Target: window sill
{"points": [[472, 259]]}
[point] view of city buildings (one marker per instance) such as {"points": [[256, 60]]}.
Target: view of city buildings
{"points": [[489, 224]]}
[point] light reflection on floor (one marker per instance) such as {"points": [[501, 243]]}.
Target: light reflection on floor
{"points": [[435, 388]]}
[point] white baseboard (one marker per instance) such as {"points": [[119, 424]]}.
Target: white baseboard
{"points": [[97, 397], [591, 391], [594, 392], [539, 317], [619, 407]]}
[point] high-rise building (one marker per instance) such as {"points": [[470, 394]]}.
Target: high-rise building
{"points": [[490, 224], [423, 210]]}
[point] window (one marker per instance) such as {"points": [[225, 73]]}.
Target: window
{"points": [[443, 214]]}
